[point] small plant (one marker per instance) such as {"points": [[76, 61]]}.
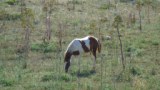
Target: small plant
{"points": [[135, 71], [47, 78], [5, 82], [62, 77], [11, 2], [44, 47], [65, 77], [106, 6], [4, 15], [74, 2], [155, 43]]}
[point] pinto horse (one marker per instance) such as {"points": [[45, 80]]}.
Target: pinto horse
{"points": [[82, 45]]}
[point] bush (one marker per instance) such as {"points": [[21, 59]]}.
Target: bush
{"points": [[61, 77], [11, 2], [155, 43], [135, 71], [47, 78], [6, 16], [106, 6], [134, 51], [75, 2], [6, 82], [44, 47]]}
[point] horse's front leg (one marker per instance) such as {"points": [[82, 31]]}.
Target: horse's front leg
{"points": [[79, 65]]}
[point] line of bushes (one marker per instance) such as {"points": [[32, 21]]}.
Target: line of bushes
{"points": [[7, 16]]}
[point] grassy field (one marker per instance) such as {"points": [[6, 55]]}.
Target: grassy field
{"points": [[43, 67]]}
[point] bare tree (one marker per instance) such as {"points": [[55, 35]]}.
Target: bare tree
{"points": [[47, 8], [139, 7], [117, 22], [27, 24], [148, 3], [60, 35]]}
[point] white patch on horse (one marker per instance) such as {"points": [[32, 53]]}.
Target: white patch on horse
{"points": [[86, 41], [75, 45]]}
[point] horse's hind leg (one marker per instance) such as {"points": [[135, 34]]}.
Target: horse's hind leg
{"points": [[94, 61]]}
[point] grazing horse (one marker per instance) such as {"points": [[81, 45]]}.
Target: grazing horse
{"points": [[79, 46]]}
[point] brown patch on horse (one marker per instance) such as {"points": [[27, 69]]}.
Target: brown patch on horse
{"points": [[93, 44], [76, 53], [85, 48]]}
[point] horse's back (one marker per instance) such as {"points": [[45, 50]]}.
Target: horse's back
{"points": [[75, 45]]}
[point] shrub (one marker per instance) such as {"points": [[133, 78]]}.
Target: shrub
{"points": [[135, 71], [47, 78], [134, 51], [44, 47], [6, 82], [6, 16], [75, 2], [155, 43], [11, 2], [61, 77], [106, 6]]}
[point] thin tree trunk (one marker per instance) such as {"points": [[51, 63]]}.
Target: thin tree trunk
{"points": [[140, 19], [121, 47], [148, 15], [27, 34], [49, 27], [73, 4], [60, 35]]}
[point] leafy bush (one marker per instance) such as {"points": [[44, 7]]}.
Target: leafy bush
{"points": [[155, 43], [6, 82], [47, 78], [135, 71], [75, 2], [126, 0], [136, 51], [62, 77], [11, 2], [6, 16], [44, 47], [106, 6]]}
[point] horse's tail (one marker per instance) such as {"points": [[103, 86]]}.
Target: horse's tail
{"points": [[99, 46]]}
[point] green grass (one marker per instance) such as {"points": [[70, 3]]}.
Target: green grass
{"points": [[43, 68]]}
